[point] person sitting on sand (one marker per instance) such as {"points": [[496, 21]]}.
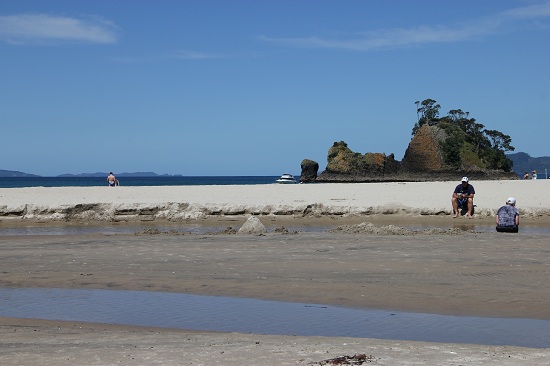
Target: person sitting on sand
{"points": [[463, 195], [508, 217], [111, 179], [534, 175], [526, 176]]}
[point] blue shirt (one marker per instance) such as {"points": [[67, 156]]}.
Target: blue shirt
{"points": [[507, 216], [468, 190]]}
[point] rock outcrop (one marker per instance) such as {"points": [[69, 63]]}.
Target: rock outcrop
{"points": [[424, 160], [341, 160], [424, 153], [309, 171]]}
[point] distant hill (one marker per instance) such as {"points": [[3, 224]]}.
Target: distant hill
{"points": [[15, 174], [524, 162], [98, 174], [136, 174]]}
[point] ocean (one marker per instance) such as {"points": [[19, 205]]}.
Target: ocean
{"points": [[12, 182]]}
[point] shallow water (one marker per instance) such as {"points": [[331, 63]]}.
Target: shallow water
{"points": [[265, 317], [101, 229], [110, 229]]}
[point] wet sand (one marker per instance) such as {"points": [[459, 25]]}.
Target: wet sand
{"points": [[484, 274]]}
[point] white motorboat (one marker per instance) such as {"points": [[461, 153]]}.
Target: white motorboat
{"points": [[286, 178]]}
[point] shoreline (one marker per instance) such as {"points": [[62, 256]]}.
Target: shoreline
{"points": [[185, 203]]}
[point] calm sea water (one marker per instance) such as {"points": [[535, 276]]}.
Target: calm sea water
{"points": [[10, 182]]}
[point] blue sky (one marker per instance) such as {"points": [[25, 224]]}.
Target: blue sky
{"points": [[203, 87]]}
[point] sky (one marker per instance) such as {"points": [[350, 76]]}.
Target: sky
{"points": [[253, 87]]}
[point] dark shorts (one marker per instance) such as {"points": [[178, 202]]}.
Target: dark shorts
{"points": [[111, 184], [508, 229]]}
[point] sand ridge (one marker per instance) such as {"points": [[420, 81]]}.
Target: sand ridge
{"points": [[180, 203]]}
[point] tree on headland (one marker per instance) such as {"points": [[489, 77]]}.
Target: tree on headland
{"points": [[467, 142], [427, 113], [500, 143]]}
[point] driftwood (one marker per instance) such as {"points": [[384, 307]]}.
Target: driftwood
{"points": [[357, 359]]}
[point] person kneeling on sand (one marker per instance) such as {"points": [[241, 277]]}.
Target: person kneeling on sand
{"points": [[463, 195], [508, 217]]}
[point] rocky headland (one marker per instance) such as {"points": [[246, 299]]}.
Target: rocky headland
{"points": [[425, 159]]}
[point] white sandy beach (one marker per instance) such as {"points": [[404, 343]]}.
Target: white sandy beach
{"points": [[192, 202]]}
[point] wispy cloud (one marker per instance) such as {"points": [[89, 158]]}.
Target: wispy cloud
{"points": [[406, 37], [43, 28], [176, 55], [528, 12], [194, 55]]}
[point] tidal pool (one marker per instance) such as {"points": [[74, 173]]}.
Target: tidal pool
{"points": [[213, 313]]}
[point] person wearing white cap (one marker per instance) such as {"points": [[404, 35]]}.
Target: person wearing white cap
{"points": [[508, 217], [463, 198]]}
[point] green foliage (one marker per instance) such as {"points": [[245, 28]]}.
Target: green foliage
{"points": [[470, 157], [427, 113], [451, 151], [468, 142]]}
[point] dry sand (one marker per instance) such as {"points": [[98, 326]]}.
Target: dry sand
{"points": [[179, 203], [32, 342], [486, 274]]}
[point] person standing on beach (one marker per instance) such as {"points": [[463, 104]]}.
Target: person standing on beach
{"points": [[463, 195], [526, 176], [111, 179], [508, 217], [534, 175]]}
